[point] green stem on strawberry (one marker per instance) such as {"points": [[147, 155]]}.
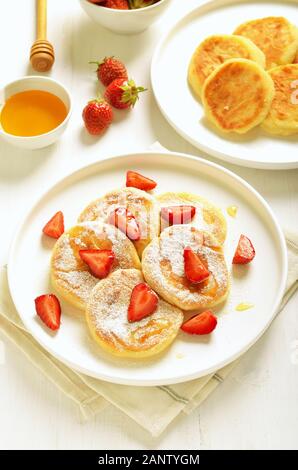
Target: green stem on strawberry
{"points": [[131, 92], [135, 4]]}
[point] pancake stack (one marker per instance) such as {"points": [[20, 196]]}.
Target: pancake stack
{"points": [[155, 260], [248, 78]]}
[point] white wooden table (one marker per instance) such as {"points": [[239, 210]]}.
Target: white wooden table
{"points": [[257, 406]]}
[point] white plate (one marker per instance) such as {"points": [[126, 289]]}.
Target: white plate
{"points": [[169, 80], [261, 284]]}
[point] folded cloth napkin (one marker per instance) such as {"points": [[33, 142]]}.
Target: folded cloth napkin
{"points": [[152, 407]]}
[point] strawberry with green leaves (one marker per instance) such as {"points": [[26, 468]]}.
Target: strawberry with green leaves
{"points": [[123, 93], [97, 116], [110, 68]]}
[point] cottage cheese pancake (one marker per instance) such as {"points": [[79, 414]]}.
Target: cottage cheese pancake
{"points": [[282, 118], [207, 217], [106, 316], [237, 96], [141, 204], [163, 268], [275, 36], [214, 51], [70, 275]]}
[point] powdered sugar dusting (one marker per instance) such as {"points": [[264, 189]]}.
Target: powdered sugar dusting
{"points": [[64, 258], [207, 216], [141, 204], [70, 273], [80, 283], [108, 313], [170, 247]]}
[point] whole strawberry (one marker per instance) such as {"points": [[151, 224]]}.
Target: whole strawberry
{"points": [[109, 69], [97, 116], [117, 4], [123, 93]]}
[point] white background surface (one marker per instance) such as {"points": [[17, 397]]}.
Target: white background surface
{"points": [[256, 407]]}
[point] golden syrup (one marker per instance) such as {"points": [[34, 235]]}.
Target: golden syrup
{"points": [[179, 356], [243, 306], [33, 112], [232, 211]]}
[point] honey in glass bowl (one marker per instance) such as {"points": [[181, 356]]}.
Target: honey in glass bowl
{"points": [[31, 113]]}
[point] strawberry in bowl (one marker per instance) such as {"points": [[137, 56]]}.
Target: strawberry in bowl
{"points": [[125, 16]]}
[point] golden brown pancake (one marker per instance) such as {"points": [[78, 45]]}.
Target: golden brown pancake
{"points": [[106, 316], [70, 275], [283, 115], [208, 217], [141, 204], [214, 51], [275, 36], [237, 96], [163, 268]]}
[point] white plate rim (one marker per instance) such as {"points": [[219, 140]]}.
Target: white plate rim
{"points": [[262, 164], [165, 154]]}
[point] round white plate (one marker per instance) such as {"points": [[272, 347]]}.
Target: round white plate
{"points": [[262, 283], [176, 101]]}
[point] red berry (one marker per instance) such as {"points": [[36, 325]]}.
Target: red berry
{"points": [[100, 262], [123, 219], [195, 270], [109, 69], [136, 180], [97, 116], [245, 251], [55, 226], [48, 309], [123, 93], [117, 4], [202, 324], [143, 302], [175, 215]]}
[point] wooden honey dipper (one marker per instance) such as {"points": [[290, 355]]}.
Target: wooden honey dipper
{"points": [[42, 54]]}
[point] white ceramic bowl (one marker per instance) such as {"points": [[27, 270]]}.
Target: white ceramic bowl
{"points": [[43, 84], [125, 21]]}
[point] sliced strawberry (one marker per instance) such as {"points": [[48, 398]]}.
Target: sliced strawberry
{"points": [[100, 262], [177, 215], [195, 270], [201, 324], [143, 302], [245, 251], [136, 180], [123, 219], [55, 226], [48, 309]]}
